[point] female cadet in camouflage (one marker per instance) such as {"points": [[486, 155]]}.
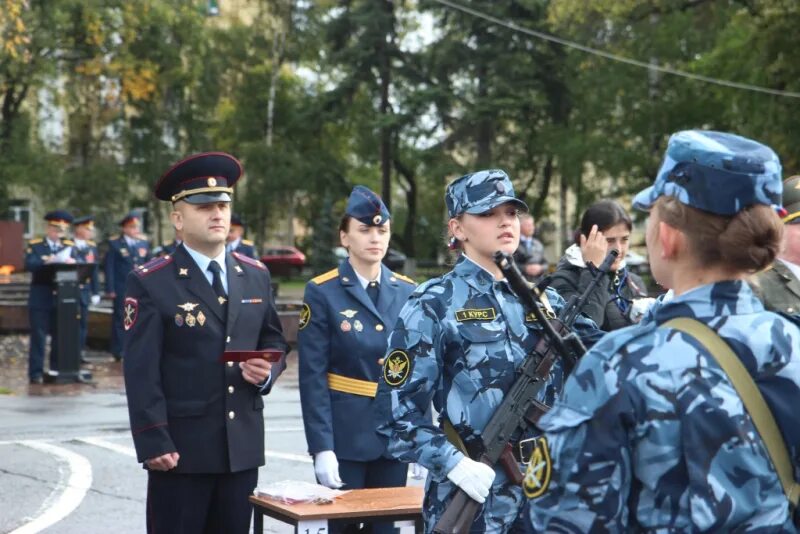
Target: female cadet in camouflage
{"points": [[649, 434], [458, 343]]}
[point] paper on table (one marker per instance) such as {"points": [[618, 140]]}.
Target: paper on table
{"points": [[296, 491], [62, 255]]}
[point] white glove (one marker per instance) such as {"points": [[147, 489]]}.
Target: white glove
{"points": [[418, 472], [326, 467], [95, 300], [640, 307], [473, 477]]}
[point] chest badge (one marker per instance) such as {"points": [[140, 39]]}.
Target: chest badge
{"points": [[201, 318], [124, 252], [178, 320], [349, 313], [346, 326], [537, 476], [188, 306], [476, 314], [358, 326], [191, 320]]}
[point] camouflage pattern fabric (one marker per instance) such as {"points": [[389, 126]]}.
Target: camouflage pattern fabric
{"points": [[457, 343], [649, 434], [479, 192]]}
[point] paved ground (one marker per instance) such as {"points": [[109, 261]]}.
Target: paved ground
{"points": [[66, 457]]}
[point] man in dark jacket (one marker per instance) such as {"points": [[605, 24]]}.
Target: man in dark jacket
{"points": [[530, 253], [196, 416]]}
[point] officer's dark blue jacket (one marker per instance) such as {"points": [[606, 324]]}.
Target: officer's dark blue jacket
{"points": [[180, 396], [41, 292], [341, 338], [121, 259], [91, 285], [247, 248]]}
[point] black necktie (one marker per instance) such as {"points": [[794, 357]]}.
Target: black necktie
{"points": [[216, 283], [372, 290]]}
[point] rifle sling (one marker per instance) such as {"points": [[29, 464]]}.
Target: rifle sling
{"points": [[751, 397]]}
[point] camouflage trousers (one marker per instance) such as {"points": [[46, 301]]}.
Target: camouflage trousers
{"points": [[505, 509]]}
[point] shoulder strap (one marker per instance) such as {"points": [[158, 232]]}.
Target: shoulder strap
{"points": [[751, 398]]}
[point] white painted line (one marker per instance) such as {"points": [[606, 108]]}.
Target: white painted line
{"points": [[289, 456], [116, 447], [65, 497]]}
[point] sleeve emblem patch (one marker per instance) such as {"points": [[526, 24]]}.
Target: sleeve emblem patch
{"points": [[396, 368], [131, 309], [305, 316], [537, 476]]}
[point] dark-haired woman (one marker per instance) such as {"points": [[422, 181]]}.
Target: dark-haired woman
{"points": [[346, 319], [650, 433], [616, 302]]}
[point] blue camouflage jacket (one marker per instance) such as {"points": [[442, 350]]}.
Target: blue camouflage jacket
{"points": [[458, 342], [649, 434]]}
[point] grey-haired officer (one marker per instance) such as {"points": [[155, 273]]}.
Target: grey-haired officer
{"points": [[344, 327], [649, 434], [458, 343], [52, 248], [86, 252], [125, 252], [198, 421], [778, 286]]}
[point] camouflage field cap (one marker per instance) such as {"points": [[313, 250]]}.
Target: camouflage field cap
{"points": [[791, 199], [479, 192], [718, 172]]}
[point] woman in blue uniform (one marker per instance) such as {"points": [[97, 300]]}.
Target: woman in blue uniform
{"points": [[346, 318], [650, 434]]}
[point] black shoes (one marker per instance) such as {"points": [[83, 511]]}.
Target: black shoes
{"points": [[36, 380]]}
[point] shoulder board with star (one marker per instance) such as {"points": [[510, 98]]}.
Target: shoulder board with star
{"points": [[91, 243], [35, 241], [327, 277], [405, 279], [68, 242], [247, 242], [152, 266], [113, 237], [249, 261]]}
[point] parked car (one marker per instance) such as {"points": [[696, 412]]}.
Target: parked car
{"points": [[394, 259], [283, 261]]}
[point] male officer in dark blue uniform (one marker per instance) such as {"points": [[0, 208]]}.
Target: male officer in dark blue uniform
{"points": [[344, 327], [86, 252], [125, 252], [236, 240], [197, 422], [168, 248], [53, 248]]}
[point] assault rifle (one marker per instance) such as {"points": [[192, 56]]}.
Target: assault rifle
{"points": [[520, 409]]}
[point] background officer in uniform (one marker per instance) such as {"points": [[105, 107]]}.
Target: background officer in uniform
{"points": [[344, 327], [236, 240], [169, 248], [125, 252], [197, 422], [41, 298], [530, 252], [649, 434], [779, 285], [86, 252]]}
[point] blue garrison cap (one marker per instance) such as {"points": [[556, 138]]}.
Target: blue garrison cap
{"points": [[86, 219], [718, 172], [60, 218], [236, 220], [367, 207], [479, 192], [200, 179]]}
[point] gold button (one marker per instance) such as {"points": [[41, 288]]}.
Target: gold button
{"points": [[230, 389], [231, 415], [228, 339], [379, 327], [230, 364]]}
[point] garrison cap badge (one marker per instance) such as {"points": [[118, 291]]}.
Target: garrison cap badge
{"points": [[367, 207], [396, 368], [200, 179], [305, 316], [131, 309], [537, 476]]}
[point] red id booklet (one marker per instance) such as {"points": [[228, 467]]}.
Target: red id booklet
{"points": [[271, 355]]}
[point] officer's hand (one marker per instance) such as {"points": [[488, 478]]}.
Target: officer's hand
{"points": [[165, 462], [594, 247], [95, 300], [475, 478], [326, 467], [255, 370]]}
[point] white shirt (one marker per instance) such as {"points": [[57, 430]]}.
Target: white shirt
{"points": [[364, 282], [80, 243], [130, 241], [54, 245], [233, 244], [203, 261]]}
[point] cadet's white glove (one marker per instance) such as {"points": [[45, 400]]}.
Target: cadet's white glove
{"points": [[473, 477], [639, 307], [326, 467], [418, 472], [95, 300]]}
